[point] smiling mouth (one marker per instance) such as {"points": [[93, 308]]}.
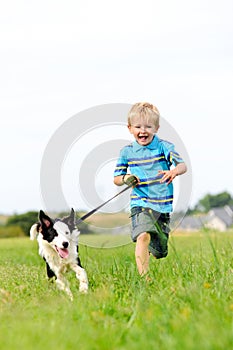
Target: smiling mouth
{"points": [[63, 252], [143, 137]]}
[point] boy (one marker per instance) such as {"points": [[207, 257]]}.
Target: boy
{"points": [[149, 159]]}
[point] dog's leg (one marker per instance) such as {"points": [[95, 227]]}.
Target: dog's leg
{"points": [[63, 284], [82, 277], [79, 262], [78, 259], [50, 272]]}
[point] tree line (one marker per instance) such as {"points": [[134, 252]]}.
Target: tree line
{"points": [[210, 201], [20, 224]]}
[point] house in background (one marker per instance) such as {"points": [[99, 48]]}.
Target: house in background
{"points": [[190, 223], [219, 219]]}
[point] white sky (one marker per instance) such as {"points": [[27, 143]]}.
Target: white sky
{"points": [[61, 57]]}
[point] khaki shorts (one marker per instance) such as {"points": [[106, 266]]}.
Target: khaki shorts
{"points": [[154, 223]]}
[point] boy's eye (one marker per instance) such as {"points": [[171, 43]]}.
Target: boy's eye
{"points": [[146, 127]]}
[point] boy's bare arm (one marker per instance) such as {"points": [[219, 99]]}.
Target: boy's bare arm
{"points": [[118, 180]]}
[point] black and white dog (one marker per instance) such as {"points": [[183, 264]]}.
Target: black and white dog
{"points": [[58, 246]]}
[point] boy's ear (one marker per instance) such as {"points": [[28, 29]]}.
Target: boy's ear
{"points": [[45, 219], [130, 130], [156, 129]]}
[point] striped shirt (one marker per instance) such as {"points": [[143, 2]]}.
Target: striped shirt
{"points": [[145, 162]]}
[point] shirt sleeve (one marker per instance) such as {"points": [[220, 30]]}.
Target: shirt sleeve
{"points": [[122, 164], [171, 155]]}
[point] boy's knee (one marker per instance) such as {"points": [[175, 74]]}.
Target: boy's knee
{"points": [[144, 238]]}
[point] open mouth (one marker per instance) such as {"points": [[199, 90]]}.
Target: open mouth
{"points": [[142, 138], [63, 252]]}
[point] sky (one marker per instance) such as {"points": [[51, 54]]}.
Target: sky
{"points": [[59, 58]]}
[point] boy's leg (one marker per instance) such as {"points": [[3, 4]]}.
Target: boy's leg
{"points": [[142, 253], [158, 246]]}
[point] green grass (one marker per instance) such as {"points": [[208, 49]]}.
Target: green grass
{"points": [[187, 305]]}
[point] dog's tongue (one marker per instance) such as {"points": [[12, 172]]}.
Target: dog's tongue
{"points": [[63, 252]]}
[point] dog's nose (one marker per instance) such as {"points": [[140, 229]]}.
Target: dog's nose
{"points": [[65, 244]]}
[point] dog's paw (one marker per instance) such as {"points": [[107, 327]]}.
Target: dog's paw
{"points": [[70, 295], [83, 288]]}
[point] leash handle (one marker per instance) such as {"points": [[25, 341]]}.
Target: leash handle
{"points": [[84, 217]]}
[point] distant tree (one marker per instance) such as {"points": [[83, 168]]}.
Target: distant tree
{"points": [[212, 201], [11, 231], [24, 221]]}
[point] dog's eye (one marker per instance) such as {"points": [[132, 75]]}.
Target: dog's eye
{"points": [[66, 232]]}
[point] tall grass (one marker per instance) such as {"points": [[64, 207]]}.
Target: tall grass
{"points": [[186, 305]]}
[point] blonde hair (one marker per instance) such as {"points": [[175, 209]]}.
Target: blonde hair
{"points": [[144, 110]]}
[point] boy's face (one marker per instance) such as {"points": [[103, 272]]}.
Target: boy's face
{"points": [[143, 130]]}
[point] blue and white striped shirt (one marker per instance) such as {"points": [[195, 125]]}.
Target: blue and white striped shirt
{"points": [[145, 162]]}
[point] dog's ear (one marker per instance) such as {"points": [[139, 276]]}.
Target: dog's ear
{"points": [[72, 216], [70, 220], [45, 219]]}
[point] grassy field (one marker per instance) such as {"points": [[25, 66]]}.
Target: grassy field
{"points": [[188, 304]]}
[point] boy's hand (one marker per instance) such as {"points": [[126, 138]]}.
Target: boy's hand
{"points": [[131, 180], [168, 175]]}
